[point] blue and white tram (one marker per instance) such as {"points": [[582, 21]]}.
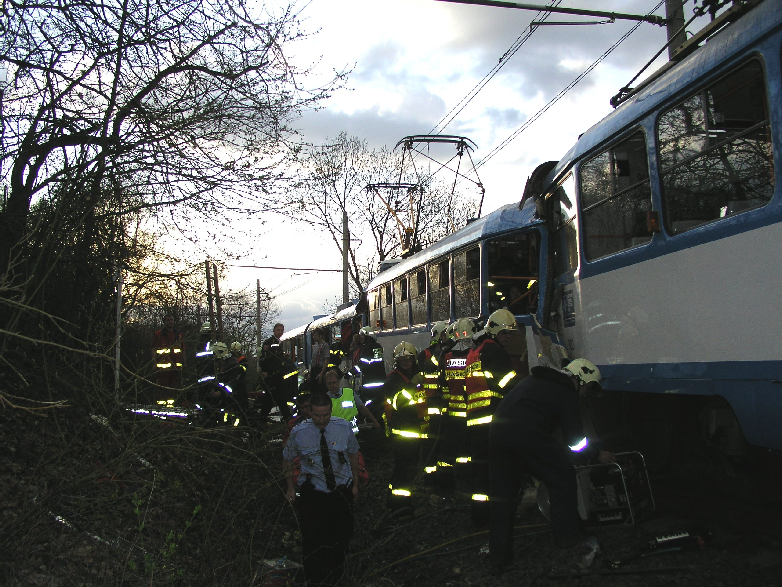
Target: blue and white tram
{"points": [[665, 221], [340, 326], [493, 262]]}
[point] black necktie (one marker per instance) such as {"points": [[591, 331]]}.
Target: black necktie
{"points": [[331, 483]]}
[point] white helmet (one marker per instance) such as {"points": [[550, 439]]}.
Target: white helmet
{"points": [[368, 331], [220, 350], [437, 331], [463, 329], [585, 371], [404, 349], [500, 320], [236, 348]]}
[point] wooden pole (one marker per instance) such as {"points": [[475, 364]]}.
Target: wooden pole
{"points": [[345, 248], [218, 305], [209, 300]]}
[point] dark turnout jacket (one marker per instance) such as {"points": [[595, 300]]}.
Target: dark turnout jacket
{"points": [[539, 405]]}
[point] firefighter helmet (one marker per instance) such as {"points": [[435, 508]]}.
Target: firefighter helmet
{"points": [[206, 328], [368, 331], [583, 370], [404, 349], [437, 331], [500, 320], [220, 350], [236, 348], [463, 329]]}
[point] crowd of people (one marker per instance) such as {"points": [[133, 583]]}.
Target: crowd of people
{"points": [[457, 414], [458, 417]]}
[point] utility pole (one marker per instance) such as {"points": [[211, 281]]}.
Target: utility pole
{"points": [[118, 278], [209, 300], [218, 305], [674, 25], [258, 315], [345, 266]]}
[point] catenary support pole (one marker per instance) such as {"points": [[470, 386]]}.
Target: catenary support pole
{"points": [[345, 248], [674, 25]]}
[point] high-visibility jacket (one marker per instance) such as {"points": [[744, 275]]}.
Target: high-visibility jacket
{"points": [[488, 374], [169, 349], [405, 411], [453, 390], [345, 407], [432, 373]]}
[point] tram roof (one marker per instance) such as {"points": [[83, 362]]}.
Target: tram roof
{"points": [[346, 313], [719, 49], [295, 332], [500, 221]]}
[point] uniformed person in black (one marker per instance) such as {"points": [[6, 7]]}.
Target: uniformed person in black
{"points": [[522, 442], [277, 374]]}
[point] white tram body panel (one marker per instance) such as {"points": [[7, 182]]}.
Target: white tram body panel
{"points": [[716, 302]]}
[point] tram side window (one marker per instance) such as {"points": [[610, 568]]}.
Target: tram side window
{"points": [[439, 294], [386, 315], [565, 241], [616, 197], [466, 282], [373, 300], [418, 296], [716, 156], [513, 273], [400, 291]]}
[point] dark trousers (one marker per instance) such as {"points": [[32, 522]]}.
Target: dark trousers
{"points": [[277, 388], [406, 456], [479, 472], [326, 521], [516, 451]]}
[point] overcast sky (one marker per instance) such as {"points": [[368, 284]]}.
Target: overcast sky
{"points": [[412, 61]]}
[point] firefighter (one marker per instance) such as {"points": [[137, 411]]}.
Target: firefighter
{"points": [[215, 395], [488, 375], [278, 374], [369, 368], [336, 356], [454, 456], [235, 375], [431, 370], [407, 423], [168, 353], [523, 442]]}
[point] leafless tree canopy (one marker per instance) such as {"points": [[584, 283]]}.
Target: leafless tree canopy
{"points": [[165, 102], [334, 182]]}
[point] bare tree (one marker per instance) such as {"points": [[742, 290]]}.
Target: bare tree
{"points": [[187, 102], [335, 179]]}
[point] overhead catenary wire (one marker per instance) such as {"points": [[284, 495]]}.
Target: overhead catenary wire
{"points": [[462, 104], [562, 92]]}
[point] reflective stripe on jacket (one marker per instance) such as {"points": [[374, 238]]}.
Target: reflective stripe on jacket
{"points": [[485, 383], [345, 407]]}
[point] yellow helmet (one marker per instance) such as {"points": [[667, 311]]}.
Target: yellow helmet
{"points": [[404, 349], [463, 329], [585, 371], [437, 331], [500, 320], [236, 348], [220, 350]]}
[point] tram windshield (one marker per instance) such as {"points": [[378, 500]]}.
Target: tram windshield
{"points": [[513, 270]]}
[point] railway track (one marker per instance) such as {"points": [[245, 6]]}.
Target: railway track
{"points": [[707, 504]]}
